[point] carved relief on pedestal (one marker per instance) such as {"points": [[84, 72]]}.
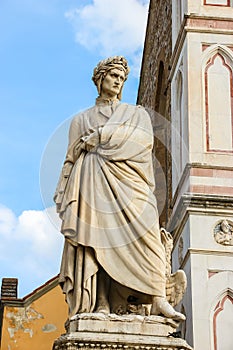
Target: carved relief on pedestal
{"points": [[223, 232]]}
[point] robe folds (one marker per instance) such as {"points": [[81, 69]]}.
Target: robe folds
{"points": [[106, 202]]}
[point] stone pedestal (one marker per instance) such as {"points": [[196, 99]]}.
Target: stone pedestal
{"points": [[99, 331]]}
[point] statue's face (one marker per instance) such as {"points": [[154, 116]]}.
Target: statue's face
{"points": [[112, 83]]}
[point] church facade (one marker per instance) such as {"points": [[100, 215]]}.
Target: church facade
{"points": [[186, 78]]}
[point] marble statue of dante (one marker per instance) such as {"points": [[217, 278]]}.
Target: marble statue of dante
{"points": [[106, 202]]}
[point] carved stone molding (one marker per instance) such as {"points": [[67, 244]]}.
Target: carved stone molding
{"points": [[159, 343], [127, 324], [223, 232], [133, 332], [74, 345]]}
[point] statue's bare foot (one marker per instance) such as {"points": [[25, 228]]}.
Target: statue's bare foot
{"points": [[103, 306], [161, 306]]}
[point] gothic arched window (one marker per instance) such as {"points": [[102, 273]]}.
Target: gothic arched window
{"points": [[218, 104], [223, 323]]}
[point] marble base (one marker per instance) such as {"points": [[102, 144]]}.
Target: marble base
{"points": [[99, 331]]}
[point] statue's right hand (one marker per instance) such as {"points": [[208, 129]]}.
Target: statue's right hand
{"points": [[90, 142]]}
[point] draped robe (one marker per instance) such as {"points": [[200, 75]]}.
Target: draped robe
{"points": [[106, 202]]}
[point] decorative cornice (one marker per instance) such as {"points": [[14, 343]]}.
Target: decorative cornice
{"points": [[194, 251], [73, 342], [210, 252], [198, 24], [207, 201], [74, 345], [198, 204], [186, 173]]}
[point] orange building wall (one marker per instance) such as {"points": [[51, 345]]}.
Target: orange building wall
{"points": [[36, 326]]}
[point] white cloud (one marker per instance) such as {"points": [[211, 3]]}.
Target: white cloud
{"points": [[7, 221], [36, 227], [30, 246], [112, 27]]}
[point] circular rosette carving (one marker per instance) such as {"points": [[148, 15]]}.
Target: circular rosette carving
{"points": [[223, 232]]}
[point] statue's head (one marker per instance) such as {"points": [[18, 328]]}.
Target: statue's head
{"points": [[115, 64], [225, 227]]}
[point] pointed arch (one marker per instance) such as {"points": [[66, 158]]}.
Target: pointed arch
{"points": [[211, 50], [218, 98], [179, 113], [220, 285], [160, 99], [224, 305], [177, 129]]}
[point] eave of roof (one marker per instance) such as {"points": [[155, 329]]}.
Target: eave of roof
{"points": [[34, 295]]}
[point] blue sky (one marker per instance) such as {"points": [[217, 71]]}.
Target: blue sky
{"points": [[48, 50]]}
